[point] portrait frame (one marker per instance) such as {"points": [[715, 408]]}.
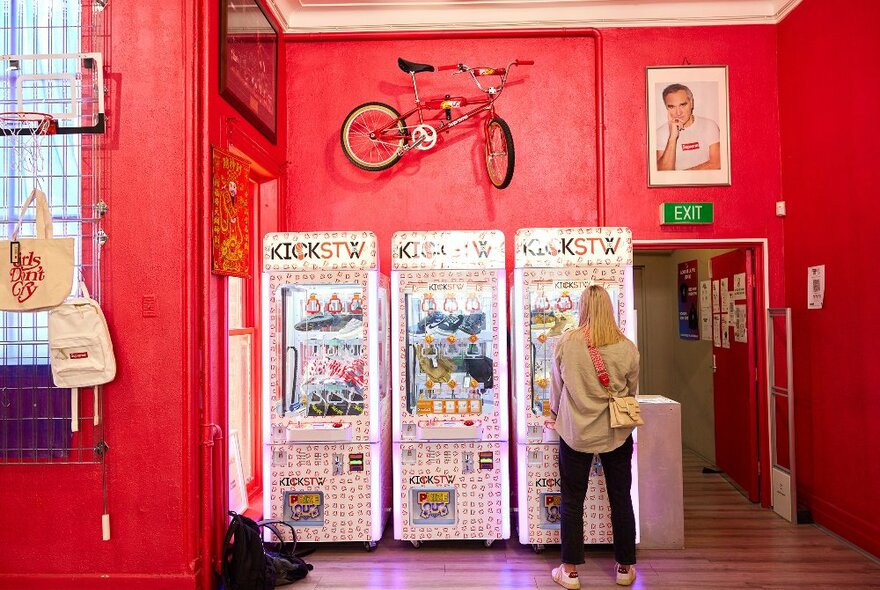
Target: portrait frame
{"points": [[249, 42], [709, 87]]}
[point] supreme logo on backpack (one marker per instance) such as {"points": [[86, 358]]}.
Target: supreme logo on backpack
{"points": [[251, 564]]}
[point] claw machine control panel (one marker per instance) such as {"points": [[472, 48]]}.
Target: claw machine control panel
{"points": [[450, 404], [326, 378], [552, 267]]}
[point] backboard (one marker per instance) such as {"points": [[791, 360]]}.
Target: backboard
{"points": [[67, 86]]}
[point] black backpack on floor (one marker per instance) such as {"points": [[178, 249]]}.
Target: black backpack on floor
{"points": [[251, 564]]}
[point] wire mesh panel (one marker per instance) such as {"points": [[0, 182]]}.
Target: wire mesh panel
{"points": [[42, 70]]}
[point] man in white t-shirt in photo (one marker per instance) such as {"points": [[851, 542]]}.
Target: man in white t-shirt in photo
{"points": [[686, 142]]}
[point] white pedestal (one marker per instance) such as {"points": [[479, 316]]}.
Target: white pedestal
{"points": [[661, 491]]}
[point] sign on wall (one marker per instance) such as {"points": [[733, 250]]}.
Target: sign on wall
{"points": [[688, 301], [230, 215]]}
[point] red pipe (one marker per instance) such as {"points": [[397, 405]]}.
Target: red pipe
{"points": [[197, 301], [502, 34]]}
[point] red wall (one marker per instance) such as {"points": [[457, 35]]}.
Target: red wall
{"points": [[549, 107], [162, 78], [156, 187], [51, 531], [828, 89]]}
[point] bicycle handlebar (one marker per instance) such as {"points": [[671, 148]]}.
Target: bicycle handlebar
{"points": [[484, 71]]}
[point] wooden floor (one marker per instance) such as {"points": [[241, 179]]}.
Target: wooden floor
{"points": [[730, 543]]}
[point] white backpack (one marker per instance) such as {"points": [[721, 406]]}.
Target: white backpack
{"points": [[80, 350]]}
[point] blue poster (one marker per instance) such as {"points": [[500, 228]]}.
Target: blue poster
{"points": [[688, 301]]}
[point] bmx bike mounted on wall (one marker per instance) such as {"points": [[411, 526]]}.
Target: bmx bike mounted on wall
{"points": [[375, 136]]}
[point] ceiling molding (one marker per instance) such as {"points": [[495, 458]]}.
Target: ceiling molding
{"points": [[348, 16]]}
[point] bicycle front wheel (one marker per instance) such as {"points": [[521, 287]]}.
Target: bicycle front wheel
{"points": [[373, 136], [499, 152]]}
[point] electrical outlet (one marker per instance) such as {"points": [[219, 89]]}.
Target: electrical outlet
{"points": [[780, 208]]}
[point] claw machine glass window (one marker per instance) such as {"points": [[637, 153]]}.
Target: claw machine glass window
{"points": [[553, 311], [449, 349], [323, 339]]}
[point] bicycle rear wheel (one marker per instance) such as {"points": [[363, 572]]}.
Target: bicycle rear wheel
{"points": [[373, 136], [499, 152]]}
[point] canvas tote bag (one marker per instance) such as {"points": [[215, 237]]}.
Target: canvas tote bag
{"points": [[35, 273]]}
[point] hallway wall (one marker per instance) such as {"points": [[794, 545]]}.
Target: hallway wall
{"points": [[828, 103], [679, 369]]}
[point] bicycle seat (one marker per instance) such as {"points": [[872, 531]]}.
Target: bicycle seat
{"points": [[411, 67]]}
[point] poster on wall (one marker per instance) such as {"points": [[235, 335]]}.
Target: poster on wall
{"points": [[706, 310], [815, 286], [230, 215], [688, 293], [725, 296], [716, 301], [726, 324], [688, 126], [740, 332], [739, 286]]}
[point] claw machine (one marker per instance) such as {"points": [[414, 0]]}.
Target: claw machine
{"points": [[326, 381], [450, 405], [552, 266]]}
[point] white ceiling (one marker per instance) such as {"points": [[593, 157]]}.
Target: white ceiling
{"points": [[321, 16]]}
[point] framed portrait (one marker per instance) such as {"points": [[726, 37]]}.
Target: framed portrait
{"points": [[688, 126], [249, 63]]}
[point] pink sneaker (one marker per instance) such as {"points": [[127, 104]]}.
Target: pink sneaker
{"points": [[626, 574], [566, 580]]}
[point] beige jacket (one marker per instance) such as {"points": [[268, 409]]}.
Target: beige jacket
{"points": [[577, 399]]}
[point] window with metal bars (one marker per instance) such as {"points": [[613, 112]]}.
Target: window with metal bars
{"points": [[35, 416]]}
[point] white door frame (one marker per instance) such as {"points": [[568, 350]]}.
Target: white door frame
{"points": [[704, 244]]}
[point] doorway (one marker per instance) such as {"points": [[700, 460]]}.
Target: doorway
{"points": [[684, 357]]}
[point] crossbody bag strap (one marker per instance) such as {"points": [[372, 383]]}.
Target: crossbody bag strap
{"points": [[598, 363]]}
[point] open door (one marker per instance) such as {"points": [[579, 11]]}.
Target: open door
{"points": [[734, 378]]}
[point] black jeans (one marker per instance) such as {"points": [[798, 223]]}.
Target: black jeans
{"points": [[574, 472]]}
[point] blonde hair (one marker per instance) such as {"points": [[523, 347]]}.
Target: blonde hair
{"points": [[597, 316]]}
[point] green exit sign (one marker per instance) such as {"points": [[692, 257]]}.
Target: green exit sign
{"points": [[685, 213]]}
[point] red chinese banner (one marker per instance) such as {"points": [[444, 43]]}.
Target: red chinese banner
{"points": [[230, 215]]}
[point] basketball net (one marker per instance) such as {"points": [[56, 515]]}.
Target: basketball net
{"points": [[24, 132]]}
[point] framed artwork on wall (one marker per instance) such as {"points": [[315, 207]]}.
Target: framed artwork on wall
{"points": [[230, 214], [249, 63], [688, 126]]}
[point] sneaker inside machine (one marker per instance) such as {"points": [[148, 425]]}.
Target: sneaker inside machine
{"points": [[450, 346], [324, 337]]}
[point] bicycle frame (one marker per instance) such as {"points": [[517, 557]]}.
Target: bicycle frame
{"points": [[482, 103], [375, 135]]}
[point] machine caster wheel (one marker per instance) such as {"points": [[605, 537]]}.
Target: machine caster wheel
{"points": [[370, 545], [416, 544], [488, 542], [538, 548]]}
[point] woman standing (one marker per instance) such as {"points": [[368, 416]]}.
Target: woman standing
{"points": [[579, 405]]}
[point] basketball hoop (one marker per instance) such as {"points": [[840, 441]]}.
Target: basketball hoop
{"points": [[26, 130]]}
